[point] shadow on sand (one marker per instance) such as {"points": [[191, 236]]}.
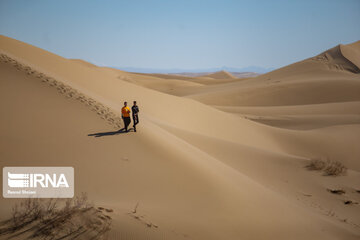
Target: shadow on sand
{"points": [[103, 134]]}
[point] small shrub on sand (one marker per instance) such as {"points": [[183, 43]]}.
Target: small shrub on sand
{"points": [[55, 219], [334, 168], [316, 164], [330, 168]]}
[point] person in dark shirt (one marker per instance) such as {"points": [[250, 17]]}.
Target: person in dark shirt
{"points": [[135, 111]]}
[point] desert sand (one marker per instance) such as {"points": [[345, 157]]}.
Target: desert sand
{"points": [[215, 157]]}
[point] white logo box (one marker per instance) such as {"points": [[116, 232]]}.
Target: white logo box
{"points": [[38, 182]]}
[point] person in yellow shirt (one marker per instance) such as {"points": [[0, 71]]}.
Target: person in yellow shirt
{"points": [[125, 114]]}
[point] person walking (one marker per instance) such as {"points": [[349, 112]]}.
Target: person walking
{"points": [[135, 111], [125, 114]]}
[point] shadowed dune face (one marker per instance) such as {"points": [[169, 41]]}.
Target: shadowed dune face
{"points": [[352, 53], [191, 171]]}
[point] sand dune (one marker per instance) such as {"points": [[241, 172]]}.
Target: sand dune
{"points": [[84, 63], [192, 82], [309, 116], [199, 74], [220, 75], [311, 81], [193, 170], [352, 52], [168, 84]]}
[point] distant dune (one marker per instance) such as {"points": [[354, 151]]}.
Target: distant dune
{"points": [[220, 75], [328, 77], [233, 74], [215, 157], [195, 72]]}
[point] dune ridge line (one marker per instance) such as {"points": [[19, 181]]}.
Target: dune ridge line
{"points": [[103, 111]]}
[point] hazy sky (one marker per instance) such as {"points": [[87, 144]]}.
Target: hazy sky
{"points": [[183, 34]]}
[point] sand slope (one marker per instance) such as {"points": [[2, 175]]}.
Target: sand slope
{"points": [[197, 172]]}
